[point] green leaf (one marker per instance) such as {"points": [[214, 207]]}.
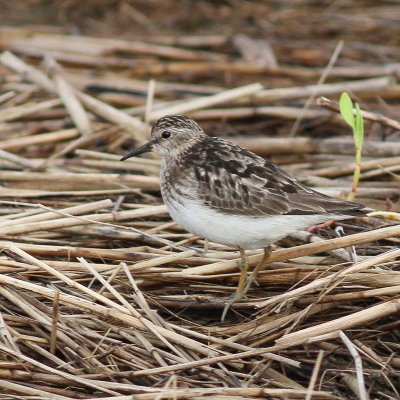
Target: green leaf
{"points": [[359, 128], [346, 109]]}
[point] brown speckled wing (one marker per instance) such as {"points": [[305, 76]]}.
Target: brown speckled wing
{"points": [[236, 181]]}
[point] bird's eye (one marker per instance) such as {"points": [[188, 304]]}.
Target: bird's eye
{"points": [[165, 134]]}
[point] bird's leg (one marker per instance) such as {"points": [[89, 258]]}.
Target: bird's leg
{"points": [[243, 274], [257, 269], [244, 264], [321, 226]]}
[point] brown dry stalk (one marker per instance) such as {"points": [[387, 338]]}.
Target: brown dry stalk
{"points": [[329, 280], [294, 252], [207, 101], [143, 182], [40, 138], [123, 300], [343, 323], [297, 145], [76, 379], [104, 110], [326, 89], [29, 391], [16, 112], [45, 215], [116, 311], [81, 220], [226, 393], [68, 96]]}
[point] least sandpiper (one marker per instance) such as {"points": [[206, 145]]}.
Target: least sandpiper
{"points": [[229, 195]]}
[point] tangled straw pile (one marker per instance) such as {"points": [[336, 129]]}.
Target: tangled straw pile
{"points": [[103, 296]]}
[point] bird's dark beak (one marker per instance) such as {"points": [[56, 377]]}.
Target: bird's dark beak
{"points": [[139, 150]]}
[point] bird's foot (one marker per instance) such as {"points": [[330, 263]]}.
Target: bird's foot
{"points": [[231, 300]]}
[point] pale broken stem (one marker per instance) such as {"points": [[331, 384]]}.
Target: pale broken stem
{"points": [[81, 141], [7, 96], [329, 330], [207, 101], [362, 393], [234, 113], [50, 213], [6, 336], [314, 375], [172, 381], [68, 96], [328, 89], [40, 138], [321, 80], [9, 114], [149, 100], [228, 393], [139, 297], [22, 161], [54, 322]]}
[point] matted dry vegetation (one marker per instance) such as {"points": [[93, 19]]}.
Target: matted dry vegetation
{"points": [[101, 294]]}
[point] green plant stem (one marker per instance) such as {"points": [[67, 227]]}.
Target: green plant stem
{"points": [[356, 178]]}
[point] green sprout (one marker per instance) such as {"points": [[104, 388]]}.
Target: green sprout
{"points": [[355, 120]]}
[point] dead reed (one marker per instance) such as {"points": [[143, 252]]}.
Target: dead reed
{"points": [[102, 296]]}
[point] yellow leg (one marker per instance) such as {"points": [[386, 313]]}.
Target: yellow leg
{"points": [[244, 282], [258, 268], [243, 274], [244, 267]]}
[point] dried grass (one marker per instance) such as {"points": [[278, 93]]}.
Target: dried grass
{"points": [[102, 296]]}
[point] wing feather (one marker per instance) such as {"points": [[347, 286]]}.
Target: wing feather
{"points": [[237, 181]]}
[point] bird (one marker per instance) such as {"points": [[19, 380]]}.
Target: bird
{"points": [[229, 195]]}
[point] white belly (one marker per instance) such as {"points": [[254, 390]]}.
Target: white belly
{"points": [[239, 231]]}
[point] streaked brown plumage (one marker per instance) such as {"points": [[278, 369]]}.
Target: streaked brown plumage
{"points": [[232, 181], [230, 195]]}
